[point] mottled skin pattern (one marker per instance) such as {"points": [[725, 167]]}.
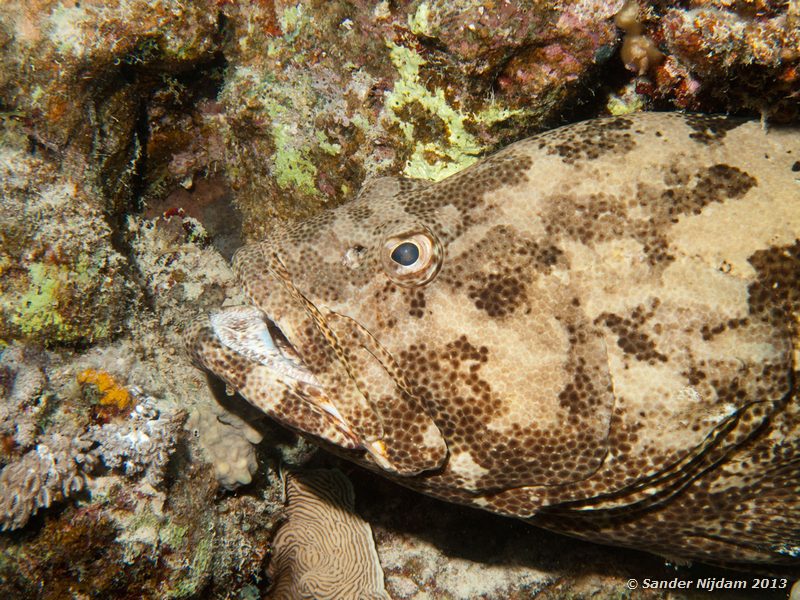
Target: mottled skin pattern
{"points": [[602, 339]]}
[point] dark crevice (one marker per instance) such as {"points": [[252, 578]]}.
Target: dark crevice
{"points": [[602, 79], [146, 73], [204, 79], [117, 209], [502, 64], [141, 135]]}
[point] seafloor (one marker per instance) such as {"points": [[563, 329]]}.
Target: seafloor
{"points": [[143, 141]]}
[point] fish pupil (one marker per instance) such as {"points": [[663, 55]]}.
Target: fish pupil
{"points": [[406, 254]]}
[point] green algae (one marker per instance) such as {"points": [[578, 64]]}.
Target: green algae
{"points": [[49, 307], [419, 22], [625, 104], [326, 146], [196, 572], [37, 308], [441, 155], [292, 164], [291, 21]]}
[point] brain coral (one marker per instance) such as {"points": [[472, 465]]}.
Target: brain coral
{"points": [[324, 550]]}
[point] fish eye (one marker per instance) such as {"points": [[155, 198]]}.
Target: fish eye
{"points": [[412, 257], [406, 254]]}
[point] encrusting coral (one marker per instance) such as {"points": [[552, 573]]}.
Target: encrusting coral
{"points": [[54, 470], [61, 465], [22, 383], [323, 550], [142, 445], [112, 393]]}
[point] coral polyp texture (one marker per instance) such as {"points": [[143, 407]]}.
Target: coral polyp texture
{"points": [[229, 442], [140, 446], [54, 470], [58, 466]]}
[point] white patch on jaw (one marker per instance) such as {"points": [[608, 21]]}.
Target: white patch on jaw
{"points": [[332, 410], [244, 330], [463, 465]]}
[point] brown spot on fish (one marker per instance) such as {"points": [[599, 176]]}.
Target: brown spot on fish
{"points": [[590, 140], [630, 336], [708, 129], [775, 295]]}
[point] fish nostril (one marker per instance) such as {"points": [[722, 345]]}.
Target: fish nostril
{"points": [[354, 256]]}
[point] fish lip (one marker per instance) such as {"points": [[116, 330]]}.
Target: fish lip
{"points": [[254, 334]]}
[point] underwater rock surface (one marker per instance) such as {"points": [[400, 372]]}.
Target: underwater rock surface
{"points": [[140, 142]]}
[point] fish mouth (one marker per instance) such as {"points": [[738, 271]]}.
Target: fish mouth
{"points": [[251, 333]]}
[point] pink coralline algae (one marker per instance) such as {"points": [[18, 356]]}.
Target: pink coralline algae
{"points": [[722, 55]]}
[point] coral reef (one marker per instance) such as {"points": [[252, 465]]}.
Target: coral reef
{"points": [[75, 72], [426, 88], [133, 478], [22, 383], [52, 471], [61, 278], [73, 80], [726, 56], [58, 466], [323, 550], [142, 445], [70, 557], [180, 272], [423, 89]]}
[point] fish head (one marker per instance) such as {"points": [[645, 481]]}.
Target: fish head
{"points": [[434, 349]]}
